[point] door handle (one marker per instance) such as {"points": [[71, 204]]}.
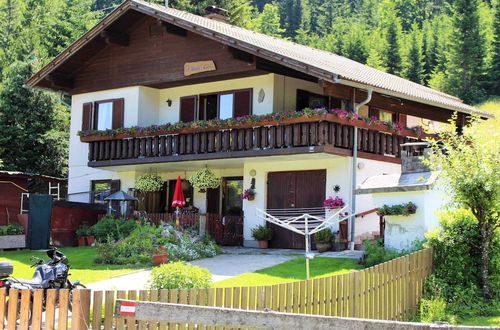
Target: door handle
{"points": [[292, 205]]}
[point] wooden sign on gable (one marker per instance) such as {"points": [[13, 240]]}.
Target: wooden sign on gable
{"points": [[191, 68]]}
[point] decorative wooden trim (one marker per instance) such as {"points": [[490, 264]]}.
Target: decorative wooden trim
{"points": [[316, 118]]}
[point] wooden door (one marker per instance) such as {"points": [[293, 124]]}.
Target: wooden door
{"points": [[295, 189]]}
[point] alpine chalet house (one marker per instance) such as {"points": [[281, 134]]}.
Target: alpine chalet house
{"points": [[158, 90]]}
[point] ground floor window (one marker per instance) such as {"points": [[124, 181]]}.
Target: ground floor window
{"points": [[226, 200], [100, 189]]}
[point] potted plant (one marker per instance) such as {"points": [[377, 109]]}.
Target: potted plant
{"points": [[85, 235], [262, 234], [160, 256], [333, 203], [405, 209], [150, 182], [248, 194], [323, 240], [204, 179]]}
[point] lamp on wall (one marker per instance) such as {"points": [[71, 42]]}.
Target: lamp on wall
{"points": [[169, 102]]}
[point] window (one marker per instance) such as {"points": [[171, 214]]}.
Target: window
{"points": [[223, 105], [307, 99], [102, 115], [103, 188]]}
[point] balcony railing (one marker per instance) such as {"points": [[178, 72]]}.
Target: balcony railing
{"points": [[299, 135]]}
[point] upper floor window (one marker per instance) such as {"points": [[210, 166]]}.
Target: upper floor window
{"points": [[388, 116], [307, 99], [103, 115], [222, 105]]}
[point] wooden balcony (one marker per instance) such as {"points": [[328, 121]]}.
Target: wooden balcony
{"points": [[316, 134]]}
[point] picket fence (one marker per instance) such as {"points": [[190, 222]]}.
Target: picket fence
{"points": [[388, 291]]}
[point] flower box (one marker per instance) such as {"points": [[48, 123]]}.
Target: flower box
{"points": [[12, 242], [329, 117]]}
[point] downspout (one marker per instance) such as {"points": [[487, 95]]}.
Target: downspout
{"points": [[355, 166]]}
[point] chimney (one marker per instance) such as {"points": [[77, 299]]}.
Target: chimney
{"points": [[217, 14], [412, 155]]}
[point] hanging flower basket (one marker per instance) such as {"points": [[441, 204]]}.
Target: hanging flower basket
{"points": [[149, 183], [204, 179], [333, 203], [248, 194]]}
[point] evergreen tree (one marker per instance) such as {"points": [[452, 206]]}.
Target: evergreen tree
{"points": [[494, 72], [291, 16], [392, 52], [414, 65], [268, 21], [465, 69]]}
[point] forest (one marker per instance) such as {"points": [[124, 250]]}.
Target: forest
{"points": [[450, 45]]}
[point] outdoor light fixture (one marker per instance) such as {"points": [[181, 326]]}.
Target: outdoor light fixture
{"points": [[361, 165], [169, 102], [253, 172]]}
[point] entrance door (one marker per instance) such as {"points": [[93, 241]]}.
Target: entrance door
{"points": [[288, 190]]}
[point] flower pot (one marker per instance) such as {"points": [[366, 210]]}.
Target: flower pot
{"points": [[202, 191], [263, 244], [90, 240], [251, 198], [82, 241], [159, 259], [323, 246]]}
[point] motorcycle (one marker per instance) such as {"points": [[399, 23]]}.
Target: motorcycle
{"points": [[52, 274]]}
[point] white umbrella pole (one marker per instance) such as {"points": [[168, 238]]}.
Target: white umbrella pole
{"points": [[307, 247], [177, 222]]}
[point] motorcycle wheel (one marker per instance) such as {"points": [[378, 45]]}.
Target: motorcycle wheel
{"points": [[70, 303], [18, 316]]}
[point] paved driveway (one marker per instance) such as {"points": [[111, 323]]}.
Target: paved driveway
{"points": [[222, 267]]}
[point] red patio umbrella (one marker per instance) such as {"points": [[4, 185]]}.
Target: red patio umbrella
{"points": [[178, 200]]}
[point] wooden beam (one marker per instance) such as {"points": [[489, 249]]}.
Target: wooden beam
{"points": [[386, 102], [115, 38], [241, 55]]}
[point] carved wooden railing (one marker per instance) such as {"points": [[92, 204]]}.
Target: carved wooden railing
{"points": [[301, 132]]}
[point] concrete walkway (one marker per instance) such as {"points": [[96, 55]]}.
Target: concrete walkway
{"points": [[234, 261]]}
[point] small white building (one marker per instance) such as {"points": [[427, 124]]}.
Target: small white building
{"points": [[416, 184]]}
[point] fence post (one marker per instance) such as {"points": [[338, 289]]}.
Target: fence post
{"points": [[81, 309], [203, 224]]}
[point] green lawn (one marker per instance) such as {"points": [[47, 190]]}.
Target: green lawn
{"points": [[292, 270], [81, 260], [491, 321]]}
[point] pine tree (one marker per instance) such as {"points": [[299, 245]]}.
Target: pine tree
{"points": [[392, 53], [414, 65], [291, 17], [465, 69], [268, 21], [494, 72]]}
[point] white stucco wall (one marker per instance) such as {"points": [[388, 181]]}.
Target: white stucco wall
{"points": [[285, 92], [400, 231]]}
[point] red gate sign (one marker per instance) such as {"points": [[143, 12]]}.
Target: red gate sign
{"points": [[127, 308]]}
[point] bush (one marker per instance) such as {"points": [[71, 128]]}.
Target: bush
{"points": [[262, 233], [178, 275], [12, 229], [456, 277], [323, 236], [376, 253], [84, 230], [112, 229], [433, 310]]}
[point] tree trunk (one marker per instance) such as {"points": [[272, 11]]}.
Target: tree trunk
{"points": [[485, 259]]}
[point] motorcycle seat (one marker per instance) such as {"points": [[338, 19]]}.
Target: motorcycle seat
{"points": [[32, 284]]}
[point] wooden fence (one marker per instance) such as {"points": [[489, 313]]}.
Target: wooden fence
{"points": [[388, 291]]}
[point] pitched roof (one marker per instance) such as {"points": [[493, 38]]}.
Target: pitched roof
{"points": [[321, 64]]}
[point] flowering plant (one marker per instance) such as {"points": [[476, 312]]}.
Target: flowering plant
{"points": [[398, 209], [149, 182], [248, 194], [160, 251], [204, 178], [333, 203]]}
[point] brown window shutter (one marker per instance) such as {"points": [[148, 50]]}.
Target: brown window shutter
{"points": [[87, 116], [242, 103], [402, 119], [188, 108], [118, 113]]}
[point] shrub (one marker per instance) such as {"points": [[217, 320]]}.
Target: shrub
{"points": [[456, 277], [12, 229], [262, 233], [324, 236], [178, 275], [84, 230], [433, 310], [112, 229], [376, 253]]}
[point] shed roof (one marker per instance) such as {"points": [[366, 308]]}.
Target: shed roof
{"points": [[398, 183], [26, 175], [318, 63]]}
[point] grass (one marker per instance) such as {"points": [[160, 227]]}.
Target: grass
{"points": [[292, 270], [81, 260], [491, 321]]}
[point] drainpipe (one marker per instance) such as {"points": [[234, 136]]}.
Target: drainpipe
{"points": [[355, 166]]}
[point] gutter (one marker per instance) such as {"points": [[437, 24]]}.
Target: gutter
{"points": [[355, 167]]}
